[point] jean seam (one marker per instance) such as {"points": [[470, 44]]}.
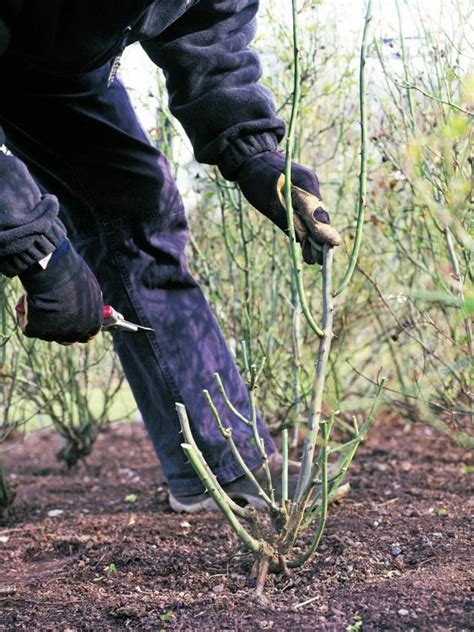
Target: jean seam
{"points": [[174, 391]]}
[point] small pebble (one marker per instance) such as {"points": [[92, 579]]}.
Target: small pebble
{"points": [[403, 613], [395, 549], [53, 513]]}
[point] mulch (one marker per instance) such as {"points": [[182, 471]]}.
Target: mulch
{"points": [[97, 548]]}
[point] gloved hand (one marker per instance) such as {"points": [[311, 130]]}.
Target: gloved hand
{"points": [[63, 303], [261, 179]]}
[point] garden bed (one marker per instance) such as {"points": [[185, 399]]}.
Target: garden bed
{"points": [[98, 548]]}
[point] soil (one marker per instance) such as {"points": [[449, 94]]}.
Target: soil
{"points": [[98, 549]]}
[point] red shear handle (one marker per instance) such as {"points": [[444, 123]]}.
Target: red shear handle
{"points": [[21, 309], [20, 306], [108, 312]]}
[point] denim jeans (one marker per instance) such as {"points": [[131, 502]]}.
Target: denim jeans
{"points": [[82, 142]]}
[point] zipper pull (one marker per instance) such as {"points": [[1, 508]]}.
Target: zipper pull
{"points": [[118, 58]]}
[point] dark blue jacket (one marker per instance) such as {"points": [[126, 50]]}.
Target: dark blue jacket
{"points": [[211, 74]]}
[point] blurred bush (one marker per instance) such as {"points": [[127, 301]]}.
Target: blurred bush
{"points": [[71, 388]]}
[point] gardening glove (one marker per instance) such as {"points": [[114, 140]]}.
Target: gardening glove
{"points": [[261, 179], [63, 302]]}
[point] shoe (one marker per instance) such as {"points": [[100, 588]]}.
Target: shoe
{"points": [[243, 491]]}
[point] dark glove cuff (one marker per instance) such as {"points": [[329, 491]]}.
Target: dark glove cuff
{"points": [[37, 281], [42, 246], [242, 148]]}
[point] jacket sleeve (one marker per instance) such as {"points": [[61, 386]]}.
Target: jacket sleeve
{"points": [[29, 224], [212, 79]]}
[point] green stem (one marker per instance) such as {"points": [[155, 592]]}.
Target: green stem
{"points": [[227, 434], [204, 469], [363, 156], [294, 253], [452, 105], [319, 378], [201, 470], [296, 352], [404, 61], [302, 559], [284, 471], [458, 276], [229, 404]]}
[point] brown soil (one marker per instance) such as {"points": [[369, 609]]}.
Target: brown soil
{"points": [[395, 555]]}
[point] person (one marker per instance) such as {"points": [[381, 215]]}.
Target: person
{"points": [[89, 211]]}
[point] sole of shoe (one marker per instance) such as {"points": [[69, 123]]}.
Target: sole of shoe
{"points": [[196, 507], [208, 504]]}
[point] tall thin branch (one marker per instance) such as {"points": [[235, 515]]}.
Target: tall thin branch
{"points": [[363, 154]]}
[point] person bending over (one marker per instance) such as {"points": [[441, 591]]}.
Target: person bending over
{"points": [[89, 210]]}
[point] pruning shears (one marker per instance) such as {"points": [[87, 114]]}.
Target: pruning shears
{"points": [[115, 321], [112, 320]]}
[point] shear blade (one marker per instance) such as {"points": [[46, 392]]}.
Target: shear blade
{"points": [[145, 328]]}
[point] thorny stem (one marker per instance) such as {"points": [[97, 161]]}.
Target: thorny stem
{"points": [[284, 473], [298, 510], [222, 500], [252, 376], [228, 402], [260, 444], [404, 60], [247, 284], [201, 470], [325, 428], [227, 434], [452, 105], [351, 448], [319, 379], [295, 255], [458, 276], [296, 351], [203, 467], [363, 156]]}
